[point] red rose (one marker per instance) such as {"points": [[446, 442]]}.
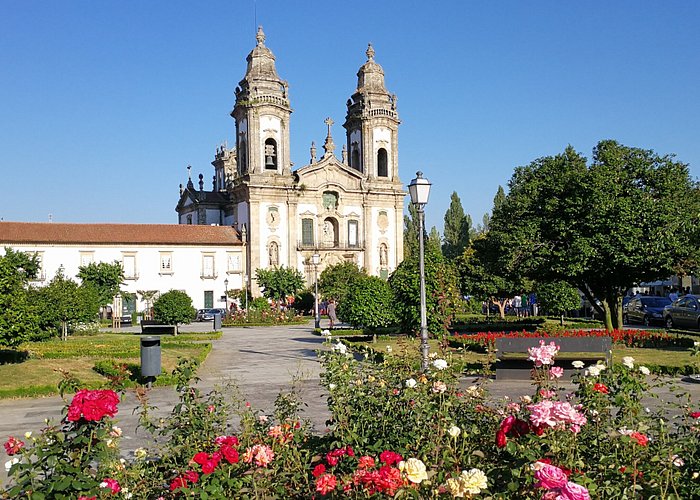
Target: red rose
{"points": [[695, 414], [319, 470], [601, 388], [501, 439], [390, 457], [93, 405], [229, 453], [178, 482], [191, 476], [13, 445], [640, 438]]}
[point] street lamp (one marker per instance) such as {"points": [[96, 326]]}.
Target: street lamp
{"points": [[419, 189], [226, 295], [244, 240], [316, 260]]}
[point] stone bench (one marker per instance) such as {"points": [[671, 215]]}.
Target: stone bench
{"points": [[587, 349], [154, 328]]}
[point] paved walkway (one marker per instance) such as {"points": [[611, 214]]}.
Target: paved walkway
{"points": [[262, 362]]}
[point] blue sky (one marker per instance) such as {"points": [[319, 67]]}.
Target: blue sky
{"points": [[104, 104]]}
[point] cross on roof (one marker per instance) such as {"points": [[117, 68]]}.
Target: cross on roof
{"points": [[329, 121]]}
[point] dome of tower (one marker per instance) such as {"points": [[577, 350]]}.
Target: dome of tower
{"points": [[370, 77], [261, 76]]}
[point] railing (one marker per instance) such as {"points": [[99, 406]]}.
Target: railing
{"points": [[324, 245]]}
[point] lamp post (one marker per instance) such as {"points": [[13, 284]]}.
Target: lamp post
{"points": [[244, 240], [226, 295], [316, 260], [419, 189]]}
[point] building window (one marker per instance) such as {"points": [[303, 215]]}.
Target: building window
{"points": [[307, 232], [270, 154], [233, 262], [86, 258], [355, 159], [208, 299], [208, 270], [166, 263], [129, 266], [330, 200], [352, 233], [189, 219], [382, 163], [242, 157]]}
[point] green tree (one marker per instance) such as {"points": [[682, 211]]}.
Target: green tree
{"points": [[434, 239], [104, 277], [173, 308], [147, 296], [371, 305], [64, 303], [335, 281], [558, 298], [499, 198], [411, 230], [457, 228], [623, 219], [280, 282], [441, 292], [18, 313]]}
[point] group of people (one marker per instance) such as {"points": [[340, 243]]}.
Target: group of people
{"points": [[328, 307], [518, 305]]}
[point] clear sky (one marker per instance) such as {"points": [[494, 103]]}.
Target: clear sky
{"points": [[104, 104]]}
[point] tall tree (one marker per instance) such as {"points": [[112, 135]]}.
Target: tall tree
{"points": [[18, 313], [410, 232], [174, 307], [434, 239], [65, 303], [335, 281], [499, 198], [602, 227], [457, 228], [280, 282], [104, 277]]}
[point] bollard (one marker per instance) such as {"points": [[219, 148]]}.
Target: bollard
{"points": [[217, 322], [150, 358]]}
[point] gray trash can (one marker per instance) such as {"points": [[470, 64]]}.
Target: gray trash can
{"points": [[150, 358], [217, 321]]}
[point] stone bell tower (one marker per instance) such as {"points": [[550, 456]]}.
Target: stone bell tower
{"points": [[372, 123], [262, 114]]}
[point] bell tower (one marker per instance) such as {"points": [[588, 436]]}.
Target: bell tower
{"points": [[262, 114], [372, 124]]}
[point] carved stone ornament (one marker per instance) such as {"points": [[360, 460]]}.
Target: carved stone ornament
{"points": [[383, 221], [273, 217]]}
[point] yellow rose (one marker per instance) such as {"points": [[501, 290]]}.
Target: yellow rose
{"points": [[455, 487], [414, 470]]}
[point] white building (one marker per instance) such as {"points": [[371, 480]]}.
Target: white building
{"points": [[202, 261], [344, 209]]}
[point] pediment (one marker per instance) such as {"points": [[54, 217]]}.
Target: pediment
{"points": [[329, 173]]}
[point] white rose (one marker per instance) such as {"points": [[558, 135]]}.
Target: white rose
{"points": [[388, 348], [454, 431], [592, 371], [628, 361], [578, 364], [10, 463], [27, 435], [411, 383], [332, 386], [340, 347], [644, 370], [440, 364], [326, 333]]}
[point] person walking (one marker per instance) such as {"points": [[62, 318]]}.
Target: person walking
{"points": [[330, 309]]}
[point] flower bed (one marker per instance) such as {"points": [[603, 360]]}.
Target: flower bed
{"points": [[483, 341], [394, 432]]}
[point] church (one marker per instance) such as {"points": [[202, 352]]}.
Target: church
{"points": [[344, 209]]}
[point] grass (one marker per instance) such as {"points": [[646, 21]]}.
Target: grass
{"points": [[670, 360], [39, 374]]}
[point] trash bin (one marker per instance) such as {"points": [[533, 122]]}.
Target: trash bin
{"points": [[217, 322], [150, 358]]}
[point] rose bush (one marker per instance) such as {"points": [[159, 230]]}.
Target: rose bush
{"points": [[394, 431]]}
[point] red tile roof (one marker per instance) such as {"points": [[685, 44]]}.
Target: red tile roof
{"points": [[100, 234]]}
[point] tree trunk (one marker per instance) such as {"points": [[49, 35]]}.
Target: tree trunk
{"points": [[501, 308], [607, 316], [64, 330], [562, 319], [615, 304]]}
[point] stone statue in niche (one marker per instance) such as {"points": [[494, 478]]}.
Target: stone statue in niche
{"points": [[328, 233], [383, 255], [274, 253]]}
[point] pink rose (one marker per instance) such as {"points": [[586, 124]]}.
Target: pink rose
{"points": [[573, 491], [556, 372], [549, 477]]}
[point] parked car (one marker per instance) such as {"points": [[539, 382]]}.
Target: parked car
{"points": [[645, 310], [683, 313], [208, 314]]}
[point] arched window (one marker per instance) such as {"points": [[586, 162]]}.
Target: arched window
{"points": [[355, 160], [270, 154], [382, 163], [242, 157]]}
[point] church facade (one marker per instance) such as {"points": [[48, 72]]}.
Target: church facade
{"points": [[344, 209]]}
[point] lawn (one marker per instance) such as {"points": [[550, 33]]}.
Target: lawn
{"points": [[670, 360], [40, 373]]}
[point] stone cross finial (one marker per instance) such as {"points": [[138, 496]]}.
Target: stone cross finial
{"points": [[313, 152], [260, 37], [370, 52], [328, 146]]}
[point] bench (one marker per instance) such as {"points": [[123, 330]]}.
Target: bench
{"points": [[149, 327], [587, 349]]}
